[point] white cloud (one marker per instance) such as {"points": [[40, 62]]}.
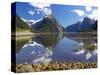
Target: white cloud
{"points": [[93, 15], [79, 12], [41, 7], [88, 8], [47, 11], [35, 43], [40, 59], [31, 12], [80, 52], [38, 12], [33, 52], [31, 22], [48, 53], [24, 19]]}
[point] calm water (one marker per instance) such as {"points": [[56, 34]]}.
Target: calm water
{"points": [[45, 48]]}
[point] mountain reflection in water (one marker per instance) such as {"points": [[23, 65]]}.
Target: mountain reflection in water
{"points": [[45, 48]]}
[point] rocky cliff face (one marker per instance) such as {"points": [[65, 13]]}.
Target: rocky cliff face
{"points": [[47, 24]]}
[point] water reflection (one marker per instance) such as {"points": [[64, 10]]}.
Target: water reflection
{"points": [[48, 40], [34, 53], [45, 48]]}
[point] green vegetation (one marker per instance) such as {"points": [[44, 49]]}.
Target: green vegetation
{"points": [[90, 47], [23, 30], [20, 43], [21, 26]]}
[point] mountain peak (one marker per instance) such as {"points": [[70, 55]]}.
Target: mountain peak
{"points": [[88, 20], [47, 24], [84, 25], [48, 16]]}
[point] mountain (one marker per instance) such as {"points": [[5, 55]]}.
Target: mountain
{"points": [[87, 24], [82, 26], [94, 27], [73, 27], [47, 24], [19, 23]]}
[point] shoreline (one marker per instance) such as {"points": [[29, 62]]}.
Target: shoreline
{"points": [[30, 33]]}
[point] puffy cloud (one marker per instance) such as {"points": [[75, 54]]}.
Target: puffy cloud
{"points": [[31, 12], [45, 8], [88, 8], [40, 5], [47, 11], [79, 12], [93, 15], [38, 12]]}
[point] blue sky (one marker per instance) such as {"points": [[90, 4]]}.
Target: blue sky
{"points": [[65, 14]]}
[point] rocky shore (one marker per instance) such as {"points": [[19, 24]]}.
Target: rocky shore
{"points": [[20, 68]]}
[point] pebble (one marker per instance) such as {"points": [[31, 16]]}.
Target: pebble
{"points": [[53, 66]]}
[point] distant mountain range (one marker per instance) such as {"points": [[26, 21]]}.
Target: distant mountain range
{"points": [[73, 28], [82, 26]]}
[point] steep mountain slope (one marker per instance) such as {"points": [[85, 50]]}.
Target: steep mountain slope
{"points": [[47, 24], [19, 23], [94, 27], [87, 24]]}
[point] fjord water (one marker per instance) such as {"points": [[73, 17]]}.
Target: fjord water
{"points": [[46, 48]]}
